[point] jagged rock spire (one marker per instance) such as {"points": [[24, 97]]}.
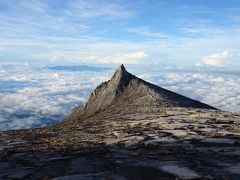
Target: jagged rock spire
{"points": [[108, 91], [121, 71]]}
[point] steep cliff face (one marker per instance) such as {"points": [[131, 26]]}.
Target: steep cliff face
{"points": [[107, 92]]}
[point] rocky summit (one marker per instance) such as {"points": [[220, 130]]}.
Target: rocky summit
{"points": [[128, 129]]}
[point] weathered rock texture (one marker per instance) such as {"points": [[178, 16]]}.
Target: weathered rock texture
{"points": [[129, 129]]}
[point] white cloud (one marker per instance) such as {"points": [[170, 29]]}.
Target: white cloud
{"points": [[127, 58], [34, 5], [97, 9], [146, 31], [36, 97], [219, 91], [217, 59]]}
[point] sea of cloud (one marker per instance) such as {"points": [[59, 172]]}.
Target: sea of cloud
{"points": [[36, 97], [33, 97], [218, 90]]}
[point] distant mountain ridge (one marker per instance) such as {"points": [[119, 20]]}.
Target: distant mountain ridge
{"points": [[77, 68]]}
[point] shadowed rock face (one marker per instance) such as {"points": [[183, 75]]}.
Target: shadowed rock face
{"points": [[107, 92], [126, 89]]}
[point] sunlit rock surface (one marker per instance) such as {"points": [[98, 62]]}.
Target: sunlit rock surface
{"points": [[129, 129]]}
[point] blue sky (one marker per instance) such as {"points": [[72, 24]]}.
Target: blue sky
{"points": [[171, 32]]}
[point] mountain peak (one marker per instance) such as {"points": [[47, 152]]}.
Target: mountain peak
{"points": [[107, 92], [120, 74], [126, 89], [121, 70]]}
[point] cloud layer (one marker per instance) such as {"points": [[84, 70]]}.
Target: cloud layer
{"points": [[218, 90], [127, 58], [35, 97]]}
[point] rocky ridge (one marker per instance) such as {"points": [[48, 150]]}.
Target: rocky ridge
{"points": [[127, 88], [129, 129]]}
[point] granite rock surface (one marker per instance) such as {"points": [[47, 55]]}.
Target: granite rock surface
{"points": [[129, 129]]}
